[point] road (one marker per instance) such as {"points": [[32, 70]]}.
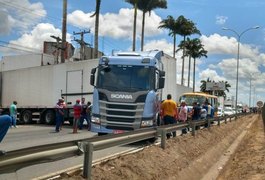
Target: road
{"points": [[33, 135]]}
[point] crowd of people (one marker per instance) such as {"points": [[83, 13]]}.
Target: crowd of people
{"points": [[171, 114], [81, 113]]}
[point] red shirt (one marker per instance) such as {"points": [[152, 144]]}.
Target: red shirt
{"points": [[77, 111]]}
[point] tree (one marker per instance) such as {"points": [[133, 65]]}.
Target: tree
{"points": [[217, 92], [188, 28], [174, 27], [196, 50], [134, 3], [98, 2], [148, 6]]}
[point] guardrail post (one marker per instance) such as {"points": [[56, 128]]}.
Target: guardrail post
{"points": [[193, 128], [218, 121], [225, 120], [88, 155], [230, 119], [163, 138]]}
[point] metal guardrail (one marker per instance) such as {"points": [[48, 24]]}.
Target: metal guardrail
{"points": [[17, 159]]}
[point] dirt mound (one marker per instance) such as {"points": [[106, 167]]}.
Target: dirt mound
{"points": [[185, 157]]}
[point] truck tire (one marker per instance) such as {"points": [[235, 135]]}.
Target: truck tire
{"points": [[49, 117], [26, 117]]}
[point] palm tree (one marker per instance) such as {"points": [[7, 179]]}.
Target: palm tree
{"points": [[148, 6], [134, 3], [174, 27], [188, 28], [98, 2], [196, 51]]}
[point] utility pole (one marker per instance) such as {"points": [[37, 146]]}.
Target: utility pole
{"points": [[64, 31], [57, 46], [82, 43]]}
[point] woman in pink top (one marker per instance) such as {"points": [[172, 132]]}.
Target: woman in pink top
{"points": [[183, 114]]}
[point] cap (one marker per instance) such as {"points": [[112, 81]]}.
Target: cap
{"points": [[78, 100], [182, 101], [61, 100]]}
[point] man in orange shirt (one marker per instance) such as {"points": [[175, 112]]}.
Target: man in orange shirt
{"points": [[169, 113]]}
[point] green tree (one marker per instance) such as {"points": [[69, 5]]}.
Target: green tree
{"points": [[134, 3], [95, 53], [188, 28], [147, 6], [196, 51], [174, 27]]}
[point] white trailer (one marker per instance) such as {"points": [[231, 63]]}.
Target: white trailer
{"points": [[38, 88]]}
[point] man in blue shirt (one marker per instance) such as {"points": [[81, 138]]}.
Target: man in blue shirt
{"points": [[5, 122], [13, 113]]}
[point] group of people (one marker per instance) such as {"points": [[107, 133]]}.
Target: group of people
{"points": [[171, 114], [82, 112]]}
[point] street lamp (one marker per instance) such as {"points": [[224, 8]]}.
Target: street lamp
{"points": [[238, 45]]}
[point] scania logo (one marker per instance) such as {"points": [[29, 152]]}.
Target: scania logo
{"points": [[121, 96]]}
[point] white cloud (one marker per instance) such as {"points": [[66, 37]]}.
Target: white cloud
{"points": [[116, 25], [33, 41], [211, 74], [220, 20], [161, 45], [19, 15]]}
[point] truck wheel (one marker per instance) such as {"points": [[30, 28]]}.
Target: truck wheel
{"points": [[49, 117], [27, 117]]}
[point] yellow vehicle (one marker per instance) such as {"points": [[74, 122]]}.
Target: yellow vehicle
{"points": [[200, 98]]}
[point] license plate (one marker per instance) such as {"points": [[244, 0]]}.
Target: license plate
{"points": [[118, 131]]}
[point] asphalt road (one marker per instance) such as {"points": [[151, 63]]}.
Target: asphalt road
{"points": [[34, 135]]}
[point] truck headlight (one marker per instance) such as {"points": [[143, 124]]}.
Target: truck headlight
{"points": [[95, 120], [147, 123]]}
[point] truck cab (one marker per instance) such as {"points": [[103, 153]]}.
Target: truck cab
{"points": [[127, 91]]}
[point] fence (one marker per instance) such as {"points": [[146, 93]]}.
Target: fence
{"points": [[45, 153]]}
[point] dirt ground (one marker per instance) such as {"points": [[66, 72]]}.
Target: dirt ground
{"points": [[188, 157]]}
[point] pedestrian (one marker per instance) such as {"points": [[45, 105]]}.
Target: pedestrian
{"points": [[88, 111], [209, 110], [183, 115], [169, 113], [59, 108], [64, 111], [13, 113], [83, 113], [196, 112], [5, 122], [77, 114]]}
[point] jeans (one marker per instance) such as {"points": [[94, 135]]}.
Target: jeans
{"points": [[5, 123], [81, 121], [59, 122], [14, 120], [170, 120]]}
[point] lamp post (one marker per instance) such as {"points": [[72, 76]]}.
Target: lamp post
{"points": [[239, 35]]}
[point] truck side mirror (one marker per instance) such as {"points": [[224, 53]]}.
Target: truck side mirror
{"points": [[161, 82], [92, 76]]}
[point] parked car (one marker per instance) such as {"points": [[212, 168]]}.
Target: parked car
{"points": [[220, 112], [228, 111]]}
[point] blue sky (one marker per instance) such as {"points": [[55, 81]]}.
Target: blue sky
{"points": [[27, 23]]}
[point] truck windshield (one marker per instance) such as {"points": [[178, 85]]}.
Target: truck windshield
{"points": [[126, 78]]}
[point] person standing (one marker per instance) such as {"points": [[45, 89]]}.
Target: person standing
{"points": [[77, 114], [5, 123], [13, 113], [183, 115], [83, 113], [169, 113], [59, 108]]}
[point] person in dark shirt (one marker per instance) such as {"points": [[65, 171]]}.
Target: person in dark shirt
{"points": [[196, 111]]}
